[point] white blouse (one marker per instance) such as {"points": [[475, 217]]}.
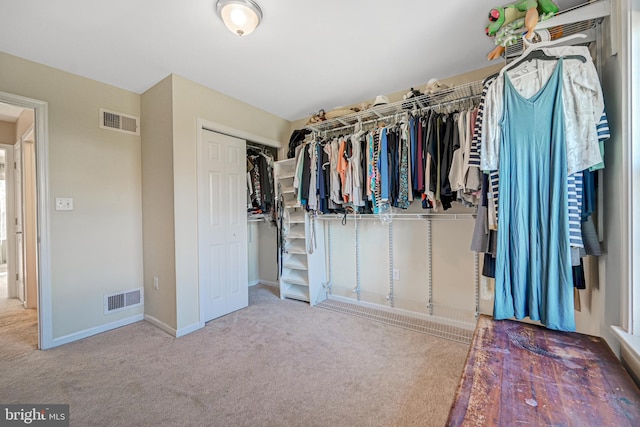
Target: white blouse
{"points": [[583, 106]]}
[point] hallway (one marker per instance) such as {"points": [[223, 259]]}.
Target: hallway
{"points": [[18, 326]]}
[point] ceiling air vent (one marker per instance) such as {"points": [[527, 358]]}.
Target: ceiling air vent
{"points": [[120, 122], [123, 300]]}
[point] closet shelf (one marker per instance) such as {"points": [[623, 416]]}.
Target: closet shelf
{"points": [[295, 234], [294, 263], [287, 190], [582, 18], [296, 247], [296, 292], [296, 277], [386, 111], [296, 218], [256, 218], [303, 274], [401, 216]]}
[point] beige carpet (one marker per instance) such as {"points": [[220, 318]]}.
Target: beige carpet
{"points": [[276, 363]]}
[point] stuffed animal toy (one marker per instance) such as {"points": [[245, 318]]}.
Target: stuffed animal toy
{"points": [[433, 86], [317, 118], [501, 16], [506, 21]]}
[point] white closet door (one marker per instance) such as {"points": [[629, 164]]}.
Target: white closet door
{"points": [[222, 224]]}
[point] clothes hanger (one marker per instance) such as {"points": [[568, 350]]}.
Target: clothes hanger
{"points": [[549, 43], [539, 54], [533, 52]]}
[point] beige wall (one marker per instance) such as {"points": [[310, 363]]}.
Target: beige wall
{"points": [[7, 133], [262, 244], [397, 96], [253, 245], [267, 253], [96, 249], [190, 102], [605, 297], [157, 203]]}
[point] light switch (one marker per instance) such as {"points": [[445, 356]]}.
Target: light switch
{"points": [[64, 203]]}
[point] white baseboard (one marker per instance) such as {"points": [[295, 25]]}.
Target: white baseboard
{"points": [[187, 330], [170, 330], [267, 283], [629, 351], [66, 339], [160, 324]]}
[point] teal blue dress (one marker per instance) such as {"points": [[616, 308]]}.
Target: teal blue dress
{"points": [[533, 259]]}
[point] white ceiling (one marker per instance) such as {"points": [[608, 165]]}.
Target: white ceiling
{"points": [[306, 55]]}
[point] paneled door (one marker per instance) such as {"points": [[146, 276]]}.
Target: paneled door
{"points": [[222, 224]]}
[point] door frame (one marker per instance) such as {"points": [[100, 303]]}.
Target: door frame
{"points": [[203, 124], [19, 258], [43, 253]]}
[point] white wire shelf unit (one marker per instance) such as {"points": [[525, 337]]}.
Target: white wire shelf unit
{"points": [[440, 99], [581, 19], [456, 324]]}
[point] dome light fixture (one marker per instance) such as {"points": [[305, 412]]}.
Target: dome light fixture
{"points": [[240, 16]]}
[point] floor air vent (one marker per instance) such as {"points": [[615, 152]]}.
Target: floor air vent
{"points": [[123, 300], [119, 122]]}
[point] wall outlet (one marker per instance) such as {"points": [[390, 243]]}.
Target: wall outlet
{"points": [[396, 274], [64, 203], [155, 283]]}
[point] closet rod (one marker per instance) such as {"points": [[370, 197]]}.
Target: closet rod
{"points": [[261, 148], [424, 101], [394, 115]]}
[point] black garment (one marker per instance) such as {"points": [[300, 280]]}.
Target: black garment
{"points": [[323, 180], [394, 170], [446, 144], [297, 138], [432, 149], [489, 266], [415, 160], [306, 175], [254, 176], [579, 281], [266, 183]]}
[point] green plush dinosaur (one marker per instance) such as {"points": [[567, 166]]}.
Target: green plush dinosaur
{"points": [[508, 19], [503, 15]]}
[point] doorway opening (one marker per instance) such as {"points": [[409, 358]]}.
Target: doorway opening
{"points": [[18, 228]]}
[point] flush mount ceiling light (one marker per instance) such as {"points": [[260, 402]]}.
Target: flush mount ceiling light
{"points": [[240, 16]]}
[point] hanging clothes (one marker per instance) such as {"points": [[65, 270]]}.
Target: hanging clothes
{"points": [[533, 263], [404, 175], [383, 167], [356, 170]]}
